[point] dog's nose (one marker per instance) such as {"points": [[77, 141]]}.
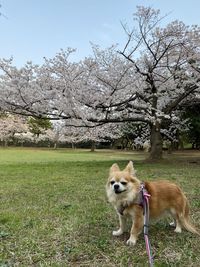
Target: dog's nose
{"points": [[116, 186]]}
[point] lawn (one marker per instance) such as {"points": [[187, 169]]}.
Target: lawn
{"points": [[54, 210]]}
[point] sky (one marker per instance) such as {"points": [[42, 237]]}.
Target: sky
{"points": [[33, 29]]}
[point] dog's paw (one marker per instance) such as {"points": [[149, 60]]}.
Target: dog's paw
{"points": [[117, 233], [131, 242], [178, 230]]}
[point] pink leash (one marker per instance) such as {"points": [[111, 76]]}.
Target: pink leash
{"points": [[145, 203]]}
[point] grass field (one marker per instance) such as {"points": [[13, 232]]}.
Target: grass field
{"points": [[54, 210]]}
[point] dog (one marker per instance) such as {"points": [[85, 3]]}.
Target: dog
{"points": [[123, 190]]}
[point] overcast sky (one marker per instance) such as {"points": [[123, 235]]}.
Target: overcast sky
{"points": [[32, 29]]}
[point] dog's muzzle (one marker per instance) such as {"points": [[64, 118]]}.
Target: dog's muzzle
{"points": [[117, 189]]}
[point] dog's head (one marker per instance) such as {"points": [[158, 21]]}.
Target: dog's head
{"points": [[121, 183]]}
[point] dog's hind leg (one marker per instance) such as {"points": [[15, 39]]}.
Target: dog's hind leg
{"points": [[177, 222], [178, 228], [181, 213]]}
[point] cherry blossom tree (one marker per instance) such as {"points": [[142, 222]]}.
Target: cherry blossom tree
{"points": [[11, 126], [56, 134], [146, 81], [159, 72], [134, 135], [25, 137], [165, 68], [104, 133]]}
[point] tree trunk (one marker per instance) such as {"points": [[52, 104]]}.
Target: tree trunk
{"points": [[55, 145], [93, 146], [73, 145], [5, 143], [156, 143]]}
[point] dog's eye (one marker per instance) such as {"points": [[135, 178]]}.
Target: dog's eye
{"points": [[112, 182], [124, 183]]}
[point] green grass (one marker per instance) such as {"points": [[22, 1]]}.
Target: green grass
{"points": [[54, 210]]}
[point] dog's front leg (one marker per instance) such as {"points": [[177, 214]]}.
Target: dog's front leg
{"points": [[136, 228], [122, 225]]}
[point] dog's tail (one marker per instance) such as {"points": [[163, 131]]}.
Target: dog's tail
{"points": [[185, 220]]}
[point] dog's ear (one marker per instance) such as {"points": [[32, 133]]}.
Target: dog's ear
{"points": [[114, 168], [129, 168]]}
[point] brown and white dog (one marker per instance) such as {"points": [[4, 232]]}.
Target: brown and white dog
{"points": [[123, 191]]}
